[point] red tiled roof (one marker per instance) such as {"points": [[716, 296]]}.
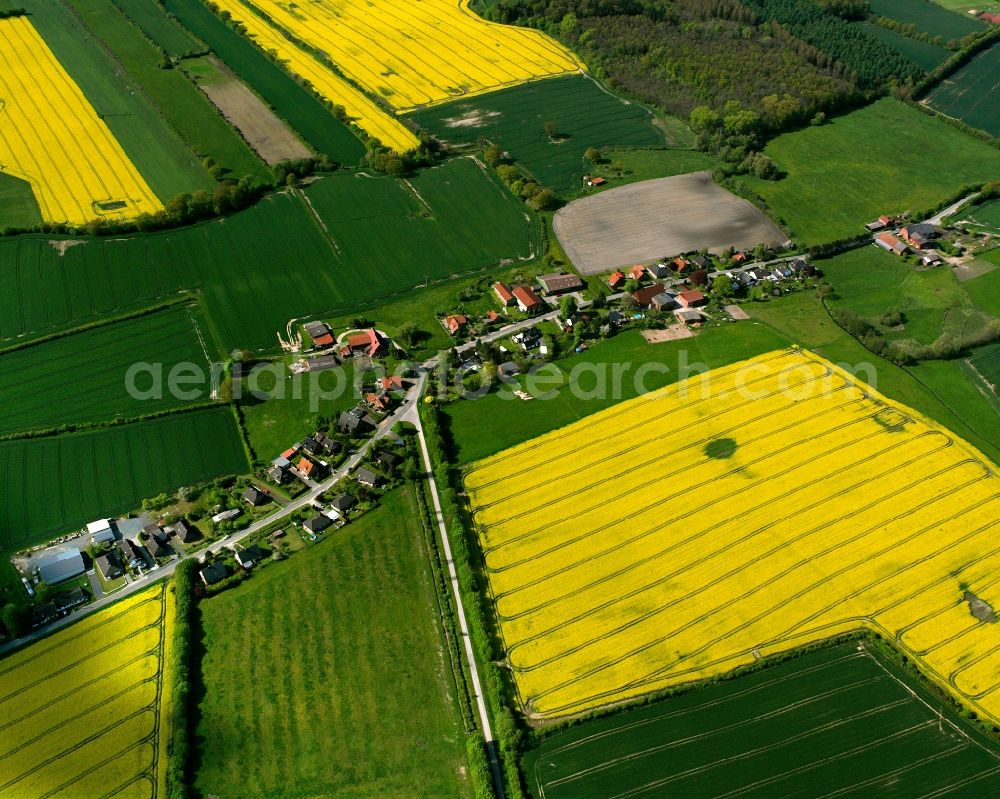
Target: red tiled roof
{"points": [[690, 297], [455, 323], [644, 296], [637, 271], [357, 340], [306, 466], [369, 339], [288, 453], [597, 181], [492, 316], [324, 341], [391, 382], [616, 278], [503, 292], [526, 296]]}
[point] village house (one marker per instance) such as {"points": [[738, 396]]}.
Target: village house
{"points": [[594, 180], [380, 401], [644, 296], [701, 261], [393, 382], [637, 272], [354, 422], [132, 554], [254, 497], [367, 478], [504, 294], [317, 523], [690, 299], [559, 283], [664, 301], [616, 279], [277, 474], [454, 323], [368, 342], [307, 468], [679, 264], [527, 300], [184, 531], [214, 573], [331, 446], [890, 243], [109, 566], [387, 460], [249, 557], [658, 270], [922, 236], [343, 502]]}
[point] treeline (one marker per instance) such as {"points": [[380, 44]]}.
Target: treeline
{"points": [[12, 12], [970, 49], [689, 53], [866, 60], [911, 31], [177, 679]]}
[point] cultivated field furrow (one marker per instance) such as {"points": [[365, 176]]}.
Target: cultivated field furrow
{"points": [[770, 504]]}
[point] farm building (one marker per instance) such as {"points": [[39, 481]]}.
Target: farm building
{"points": [[322, 363], [214, 573], [690, 299], [921, 236], [317, 330], [100, 532], [879, 224], [644, 296], [109, 566], [454, 323], [504, 294], [527, 300], [890, 243], [55, 566], [558, 283], [369, 342]]}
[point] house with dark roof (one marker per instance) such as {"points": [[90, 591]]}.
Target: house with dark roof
{"points": [[66, 600], [254, 497], [343, 502], [701, 261], [311, 445], [159, 547], [367, 478], [921, 235], [214, 573], [658, 270], [250, 556], [387, 460], [55, 566], [277, 474], [331, 446], [559, 283], [322, 363], [354, 422], [316, 329], [664, 301], [109, 566], [184, 531], [687, 316], [317, 524], [890, 243], [644, 296], [133, 554]]}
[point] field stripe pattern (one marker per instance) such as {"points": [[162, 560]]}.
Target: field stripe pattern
{"points": [[51, 137], [624, 556], [81, 710]]}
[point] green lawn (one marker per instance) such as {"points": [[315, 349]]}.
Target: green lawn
{"points": [[973, 93], [837, 721], [983, 215], [51, 485], [166, 33], [640, 165], [295, 104], [81, 378], [18, 206], [326, 675], [481, 427], [585, 116], [985, 289], [179, 101], [847, 172], [160, 154]]}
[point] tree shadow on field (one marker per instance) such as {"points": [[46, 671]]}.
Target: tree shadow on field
{"points": [[196, 696]]}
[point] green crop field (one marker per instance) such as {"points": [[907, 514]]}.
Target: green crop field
{"points": [[983, 215], [163, 158], [928, 17], [986, 361], [924, 54], [347, 692], [585, 115], [973, 93], [180, 102], [837, 721], [152, 20], [18, 206], [391, 235], [81, 378], [52, 485], [293, 103], [863, 172], [386, 240]]}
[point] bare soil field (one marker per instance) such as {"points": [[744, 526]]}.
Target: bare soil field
{"points": [[658, 218], [268, 135], [671, 333]]}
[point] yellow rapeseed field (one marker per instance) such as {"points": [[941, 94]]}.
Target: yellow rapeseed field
{"points": [[409, 54], [51, 137], [80, 710], [748, 511]]}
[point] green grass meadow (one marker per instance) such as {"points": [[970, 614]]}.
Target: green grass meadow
{"points": [[326, 675], [837, 721], [176, 98], [983, 215], [257, 269], [56, 484], [169, 166], [81, 378], [973, 93], [928, 17], [292, 102], [18, 206], [847, 172], [585, 115]]}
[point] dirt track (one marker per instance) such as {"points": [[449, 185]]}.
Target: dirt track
{"points": [[269, 136], [656, 219]]}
